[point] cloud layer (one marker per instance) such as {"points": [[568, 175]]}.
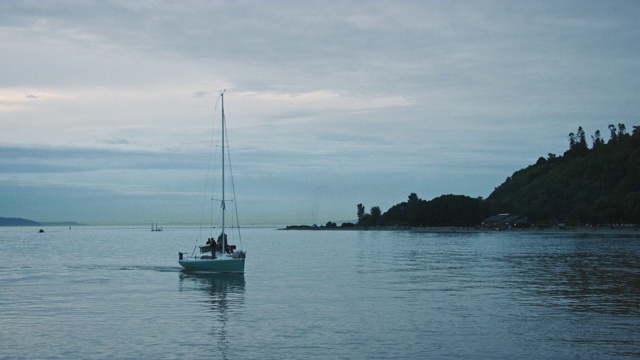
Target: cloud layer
{"points": [[107, 107]]}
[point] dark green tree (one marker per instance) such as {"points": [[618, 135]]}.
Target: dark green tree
{"points": [[614, 133], [360, 211], [622, 130], [577, 144], [572, 140], [596, 139], [376, 216], [581, 137]]}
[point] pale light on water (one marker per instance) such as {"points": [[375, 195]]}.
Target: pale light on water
{"points": [[107, 292]]}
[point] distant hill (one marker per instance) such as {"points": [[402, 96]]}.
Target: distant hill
{"points": [[62, 223], [17, 222], [25, 222]]}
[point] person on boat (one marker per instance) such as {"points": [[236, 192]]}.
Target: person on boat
{"points": [[212, 245], [227, 248], [221, 244]]}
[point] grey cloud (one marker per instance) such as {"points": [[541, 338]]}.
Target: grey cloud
{"points": [[478, 80]]}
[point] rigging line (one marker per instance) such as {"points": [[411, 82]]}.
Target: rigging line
{"points": [[233, 190]]}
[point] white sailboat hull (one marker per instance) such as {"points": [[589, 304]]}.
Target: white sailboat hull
{"points": [[223, 265]]}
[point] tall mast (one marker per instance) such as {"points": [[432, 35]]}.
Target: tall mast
{"points": [[224, 241]]}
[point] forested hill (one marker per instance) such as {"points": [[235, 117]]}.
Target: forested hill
{"points": [[586, 185], [597, 184]]}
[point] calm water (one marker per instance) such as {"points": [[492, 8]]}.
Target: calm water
{"points": [[107, 292]]}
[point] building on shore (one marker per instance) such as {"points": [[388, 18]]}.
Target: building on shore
{"points": [[505, 221]]}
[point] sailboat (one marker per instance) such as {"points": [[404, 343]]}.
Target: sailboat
{"points": [[217, 255]]}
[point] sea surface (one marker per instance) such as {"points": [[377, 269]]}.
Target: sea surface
{"points": [[119, 293]]}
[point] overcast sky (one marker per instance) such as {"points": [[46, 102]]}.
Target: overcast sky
{"points": [[106, 107]]}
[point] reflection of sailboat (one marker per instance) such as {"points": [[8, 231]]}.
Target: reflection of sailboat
{"points": [[217, 284], [225, 292], [224, 257]]}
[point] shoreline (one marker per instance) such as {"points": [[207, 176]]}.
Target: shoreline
{"points": [[606, 230]]}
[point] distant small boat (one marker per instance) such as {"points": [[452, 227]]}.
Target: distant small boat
{"points": [[224, 257], [156, 228], [41, 231]]}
